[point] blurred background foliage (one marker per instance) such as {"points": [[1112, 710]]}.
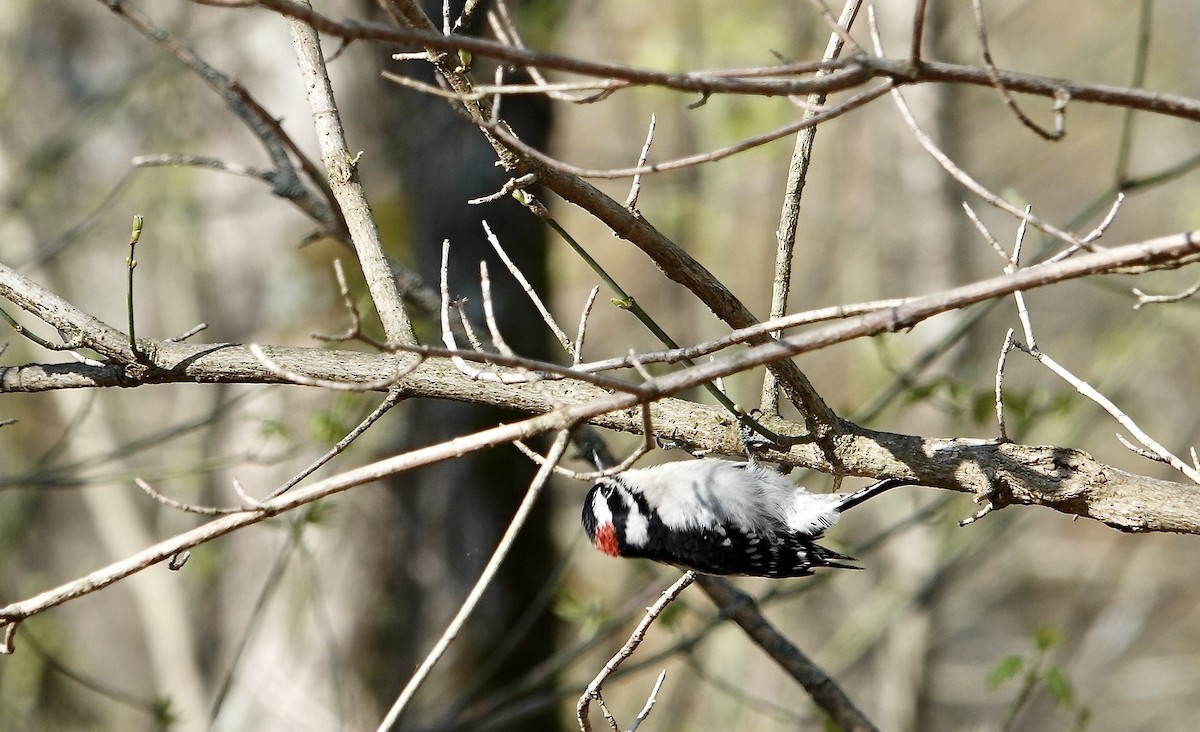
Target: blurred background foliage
{"points": [[1025, 620]]}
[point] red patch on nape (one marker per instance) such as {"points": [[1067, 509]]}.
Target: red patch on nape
{"points": [[606, 540]]}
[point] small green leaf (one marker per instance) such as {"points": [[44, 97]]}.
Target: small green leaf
{"points": [[1005, 671], [1047, 637], [164, 713], [1059, 688]]}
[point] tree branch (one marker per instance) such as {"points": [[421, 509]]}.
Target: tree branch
{"points": [[1067, 480], [853, 72], [741, 609]]}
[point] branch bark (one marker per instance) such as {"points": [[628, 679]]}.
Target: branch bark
{"points": [[741, 609], [1067, 480], [854, 72]]}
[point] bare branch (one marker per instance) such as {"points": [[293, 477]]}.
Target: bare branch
{"points": [[1004, 350], [789, 217], [1107, 405], [14, 613], [970, 183], [341, 167], [1034, 475], [850, 74], [650, 700], [285, 182], [561, 335], [583, 319], [188, 507], [481, 585], [394, 397], [824, 691], [515, 143], [635, 188], [1060, 99], [355, 330], [1145, 299], [918, 33], [202, 161], [592, 692]]}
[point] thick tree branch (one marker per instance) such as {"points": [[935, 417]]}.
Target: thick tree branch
{"points": [[1066, 480]]}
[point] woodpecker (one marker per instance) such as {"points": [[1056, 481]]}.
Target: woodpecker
{"points": [[719, 517]]}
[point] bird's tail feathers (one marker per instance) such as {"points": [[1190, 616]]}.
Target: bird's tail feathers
{"points": [[829, 558]]}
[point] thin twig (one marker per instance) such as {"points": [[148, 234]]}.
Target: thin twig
{"points": [[464, 17], [202, 161], [489, 313], [835, 25], [1102, 227], [689, 161], [197, 328], [1022, 310], [583, 319], [559, 333], [485, 579], [650, 700], [635, 189], [341, 166], [1107, 405], [394, 397], [918, 33], [355, 330], [35, 338], [1004, 349], [592, 692], [130, 265], [789, 217], [1137, 80], [512, 184], [987, 234], [469, 330], [952, 168], [1139, 451], [1145, 299], [189, 507], [1060, 99]]}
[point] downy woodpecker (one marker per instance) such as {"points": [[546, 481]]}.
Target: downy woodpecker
{"points": [[718, 517]]}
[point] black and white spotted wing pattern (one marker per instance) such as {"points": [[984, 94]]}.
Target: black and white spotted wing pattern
{"points": [[718, 517]]}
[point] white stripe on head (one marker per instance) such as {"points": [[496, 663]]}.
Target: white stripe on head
{"points": [[637, 524], [600, 508]]}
